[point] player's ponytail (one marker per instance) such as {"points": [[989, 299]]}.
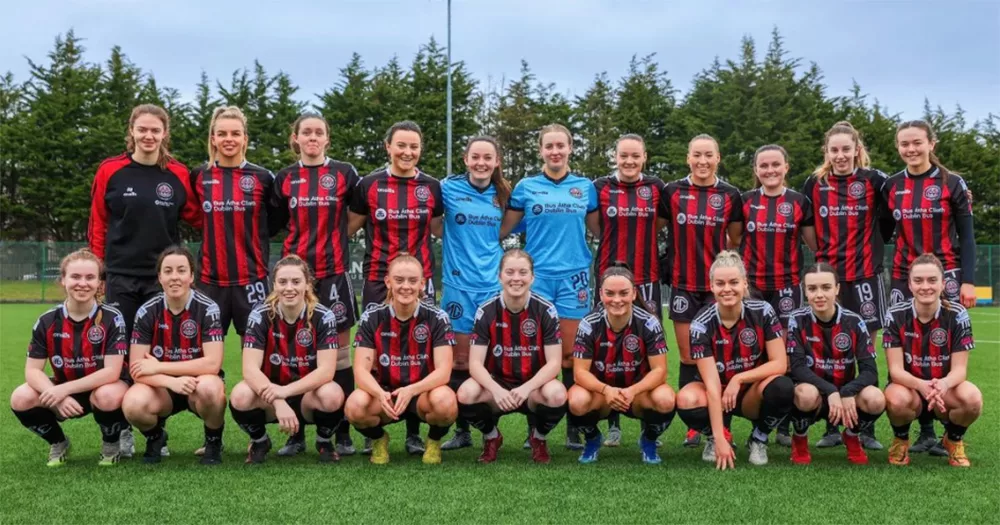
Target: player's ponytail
{"points": [[402, 258], [231, 112], [861, 159], [621, 269], [271, 302], [499, 182], [931, 137], [164, 156]]}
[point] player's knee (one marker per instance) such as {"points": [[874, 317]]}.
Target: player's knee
{"points": [[553, 394], [807, 398], [579, 400], [899, 400], [210, 389], [330, 396], [242, 397], [692, 396], [663, 399], [971, 398], [23, 398], [468, 392], [138, 400], [443, 402], [871, 400], [356, 407], [107, 398]]}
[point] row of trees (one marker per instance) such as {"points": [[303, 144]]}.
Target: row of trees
{"points": [[58, 124]]}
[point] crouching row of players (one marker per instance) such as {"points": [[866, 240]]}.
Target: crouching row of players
{"points": [[403, 359]]}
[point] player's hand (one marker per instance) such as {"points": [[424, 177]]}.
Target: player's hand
{"points": [[520, 395], [403, 396], [287, 420], [849, 414], [613, 398], [725, 456], [730, 394], [504, 399], [53, 396], [627, 396], [146, 366], [967, 295], [385, 399], [836, 415], [183, 385], [272, 393], [926, 390], [939, 387], [69, 408]]}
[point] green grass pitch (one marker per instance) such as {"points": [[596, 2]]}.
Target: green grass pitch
{"points": [[618, 489]]}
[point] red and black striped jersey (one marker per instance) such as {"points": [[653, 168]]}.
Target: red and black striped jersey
{"points": [[924, 208], [927, 347], [399, 211], [515, 341], [832, 350], [699, 218], [738, 348], [290, 349], [317, 199], [76, 349], [134, 213], [771, 244], [177, 337], [404, 350], [619, 359], [238, 204], [846, 211], [628, 213]]}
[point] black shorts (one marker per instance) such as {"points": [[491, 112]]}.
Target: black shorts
{"points": [[649, 293], [738, 410], [952, 288], [687, 374], [236, 302], [411, 409], [685, 305], [83, 398], [374, 293], [179, 401], [865, 297], [127, 293], [336, 292], [784, 301]]}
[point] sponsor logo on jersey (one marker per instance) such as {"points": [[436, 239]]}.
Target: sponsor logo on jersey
{"points": [[206, 207], [421, 332], [327, 182], [842, 342], [57, 361], [383, 359], [536, 209], [785, 208], [461, 218], [189, 328], [810, 361], [720, 367], [897, 214], [932, 193], [856, 189], [275, 359], [681, 218], [164, 191], [748, 336], [599, 365], [908, 358], [380, 214], [498, 350], [304, 337], [751, 226], [496, 203], [716, 201], [612, 211], [823, 211], [293, 202], [95, 335], [529, 327], [422, 193], [157, 351], [939, 336], [248, 183]]}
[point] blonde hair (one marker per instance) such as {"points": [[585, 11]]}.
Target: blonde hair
{"points": [[311, 300], [704, 136], [83, 254], [402, 258], [230, 112], [730, 259], [861, 159], [164, 157], [555, 128]]}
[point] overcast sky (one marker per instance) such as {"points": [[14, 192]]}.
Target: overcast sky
{"points": [[899, 51]]}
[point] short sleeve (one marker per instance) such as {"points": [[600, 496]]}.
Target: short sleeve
{"points": [[364, 336], [359, 201], [591, 197], [481, 328], [550, 327], [864, 347], [807, 212], [326, 332], [211, 325], [737, 215], [583, 347], [142, 329], [441, 332], [772, 325], [256, 332], [38, 348], [701, 341], [438, 200], [961, 204], [890, 332], [116, 342], [517, 197], [962, 340], [653, 338]]}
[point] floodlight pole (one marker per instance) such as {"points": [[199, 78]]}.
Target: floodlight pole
{"points": [[448, 111]]}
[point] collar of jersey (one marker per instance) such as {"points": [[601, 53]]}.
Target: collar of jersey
{"points": [[834, 320], [743, 313], [468, 180], [187, 305], [392, 311], [913, 308], [326, 161], [693, 185], [604, 313], [554, 181], [416, 174], [934, 172], [784, 189], [90, 315], [241, 166], [614, 175], [526, 303]]}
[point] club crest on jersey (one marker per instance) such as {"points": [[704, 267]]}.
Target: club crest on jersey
{"points": [[206, 207], [681, 218], [496, 203], [748, 336], [932, 193], [164, 191], [248, 183], [380, 214], [57, 361], [867, 309], [644, 193], [786, 304], [599, 365], [680, 304], [421, 333], [576, 193], [95, 335], [327, 182], [856, 189], [785, 208], [304, 337], [751, 226], [581, 296], [536, 209], [498, 350], [422, 193], [275, 359], [293, 202], [157, 351], [823, 211], [896, 214], [939, 336], [720, 366], [631, 343], [612, 211], [529, 328], [460, 218], [339, 310], [842, 342], [189, 328], [716, 201], [383, 359], [951, 286]]}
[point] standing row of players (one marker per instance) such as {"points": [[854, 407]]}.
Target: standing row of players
{"points": [[403, 363], [399, 206]]}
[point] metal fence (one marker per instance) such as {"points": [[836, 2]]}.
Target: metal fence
{"points": [[29, 270]]}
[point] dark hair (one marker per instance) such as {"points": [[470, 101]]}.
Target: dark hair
{"points": [[404, 125], [762, 149], [298, 123], [176, 250], [820, 267], [928, 258], [931, 136], [499, 182], [517, 253], [631, 136], [621, 269]]}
